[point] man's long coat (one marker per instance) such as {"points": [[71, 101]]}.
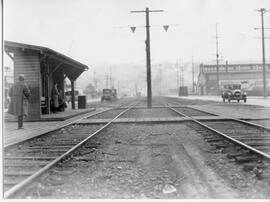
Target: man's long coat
{"points": [[19, 94]]}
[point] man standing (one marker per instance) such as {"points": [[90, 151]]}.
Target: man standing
{"points": [[54, 97], [19, 94]]}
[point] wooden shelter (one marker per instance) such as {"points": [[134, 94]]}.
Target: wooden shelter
{"points": [[42, 67]]}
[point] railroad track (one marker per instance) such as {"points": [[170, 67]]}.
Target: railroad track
{"points": [[122, 106], [251, 137], [29, 160], [191, 110], [25, 163]]}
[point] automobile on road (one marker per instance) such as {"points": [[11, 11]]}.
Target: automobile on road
{"points": [[233, 92]]}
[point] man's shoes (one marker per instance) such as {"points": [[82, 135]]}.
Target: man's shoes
{"points": [[20, 127]]}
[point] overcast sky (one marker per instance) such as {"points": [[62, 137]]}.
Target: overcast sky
{"points": [[97, 32]]}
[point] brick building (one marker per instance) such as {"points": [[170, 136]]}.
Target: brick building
{"points": [[250, 76], [42, 67]]}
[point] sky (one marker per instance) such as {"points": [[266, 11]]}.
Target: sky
{"points": [[97, 32]]}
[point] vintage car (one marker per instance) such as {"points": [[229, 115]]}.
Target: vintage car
{"points": [[68, 96], [109, 95], [114, 94], [233, 92]]}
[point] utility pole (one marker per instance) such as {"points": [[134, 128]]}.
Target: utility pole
{"points": [[177, 75], [136, 89], [118, 87], [182, 74], [111, 84], [193, 89], [183, 79], [263, 11], [217, 59], [148, 56], [160, 87], [95, 80], [107, 81]]}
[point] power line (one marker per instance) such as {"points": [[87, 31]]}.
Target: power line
{"points": [[142, 26]]}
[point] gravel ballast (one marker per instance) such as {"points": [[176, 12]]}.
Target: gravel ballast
{"points": [[149, 161], [148, 113], [165, 160], [108, 114]]}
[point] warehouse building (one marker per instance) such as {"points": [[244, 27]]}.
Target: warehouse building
{"points": [[250, 76]]}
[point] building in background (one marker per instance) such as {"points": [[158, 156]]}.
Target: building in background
{"points": [[250, 77]]}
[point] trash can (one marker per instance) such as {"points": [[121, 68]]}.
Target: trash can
{"points": [[81, 102], [183, 91]]}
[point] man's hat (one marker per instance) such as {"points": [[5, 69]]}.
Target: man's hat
{"points": [[21, 77]]}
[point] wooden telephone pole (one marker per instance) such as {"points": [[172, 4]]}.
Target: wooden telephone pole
{"points": [[217, 55], [148, 56], [263, 11], [193, 87]]}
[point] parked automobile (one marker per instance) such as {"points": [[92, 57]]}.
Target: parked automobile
{"points": [[68, 95], [233, 92], [114, 94], [109, 95]]}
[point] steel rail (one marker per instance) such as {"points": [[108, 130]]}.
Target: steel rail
{"points": [[223, 135], [237, 120], [249, 123], [65, 125], [17, 188], [228, 117]]}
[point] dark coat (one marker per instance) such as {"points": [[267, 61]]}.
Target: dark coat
{"points": [[19, 94], [54, 97]]}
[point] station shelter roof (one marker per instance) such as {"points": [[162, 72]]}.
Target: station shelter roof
{"points": [[70, 67]]}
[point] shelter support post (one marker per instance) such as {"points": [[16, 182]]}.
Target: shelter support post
{"points": [[72, 95], [48, 110]]}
